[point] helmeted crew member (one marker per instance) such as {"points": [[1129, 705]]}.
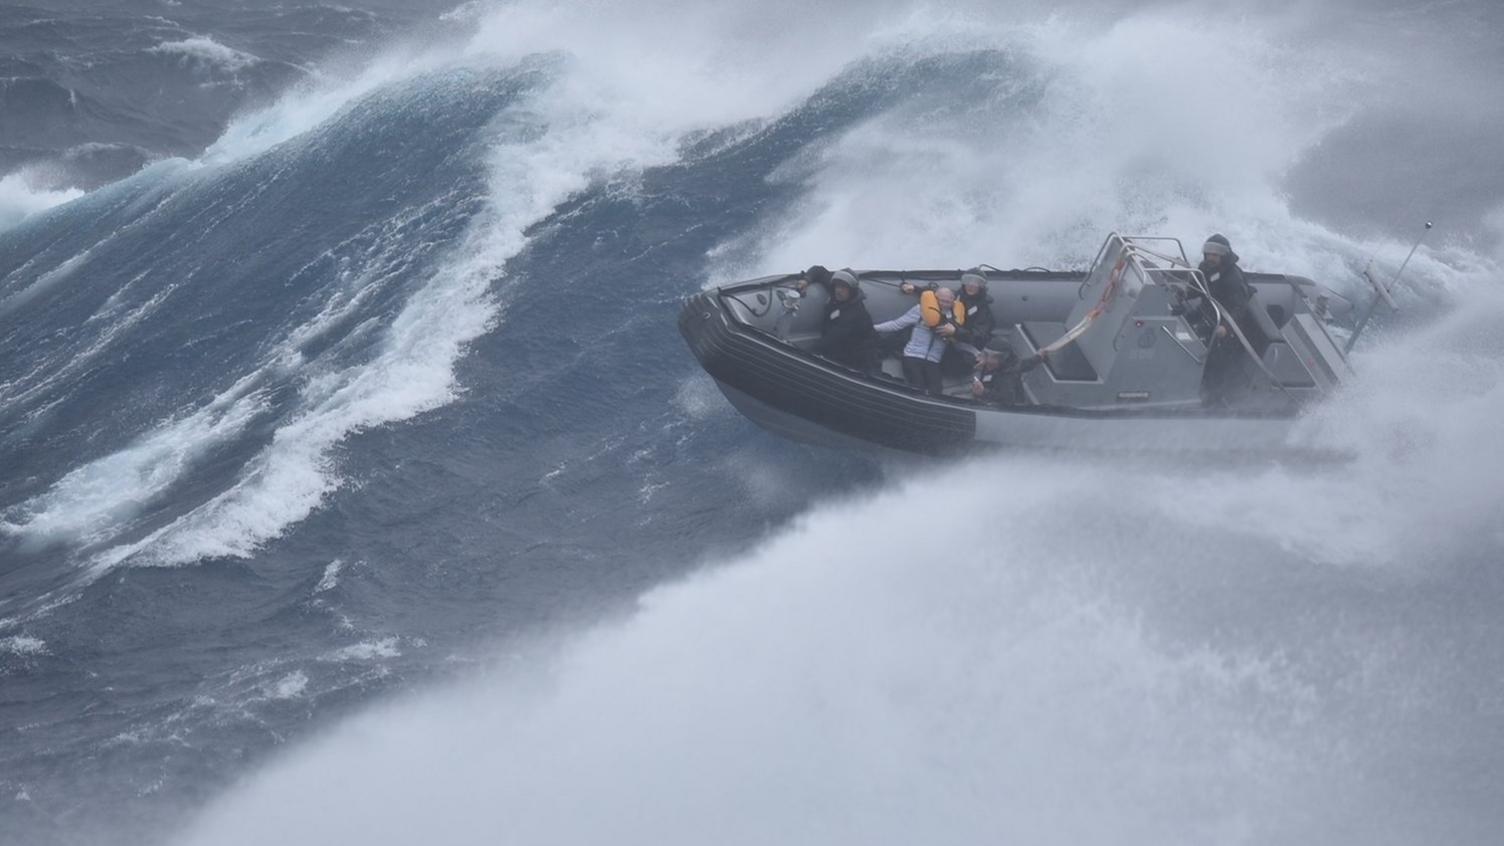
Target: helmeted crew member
{"points": [[1226, 283], [934, 322], [977, 304], [973, 335], [999, 376], [846, 334]]}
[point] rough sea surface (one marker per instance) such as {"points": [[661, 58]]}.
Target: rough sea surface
{"points": [[356, 486]]}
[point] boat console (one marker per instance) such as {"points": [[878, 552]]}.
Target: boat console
{"points": [[1125, 341]]}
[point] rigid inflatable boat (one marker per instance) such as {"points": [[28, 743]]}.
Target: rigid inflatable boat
{"points": [[1123, 369]]}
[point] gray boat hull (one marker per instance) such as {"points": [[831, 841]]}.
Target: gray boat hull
{"points": [[1142, 396]]}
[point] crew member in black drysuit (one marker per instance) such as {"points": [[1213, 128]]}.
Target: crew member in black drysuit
{"points": [[1223, 370], [977, 331], [846, 334], [999, 376]]}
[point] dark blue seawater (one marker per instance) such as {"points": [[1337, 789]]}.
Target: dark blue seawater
{"points": [[572, 474], [384, 390]]}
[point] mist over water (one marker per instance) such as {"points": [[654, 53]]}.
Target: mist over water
{"points": [[1014, 647], [1062, 651]]}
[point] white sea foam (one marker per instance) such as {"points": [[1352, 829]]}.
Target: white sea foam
{"points": [[23, 645], [369, 650], [603, 114], [464, 13], [698, 399], [290, 686], [203, 49], [94, 502], [606, 112], [898, 698], [315, 101], [1094, 131], [330, 579], [1046, 678], [20, 199]]}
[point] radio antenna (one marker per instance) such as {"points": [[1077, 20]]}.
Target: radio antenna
{"points": [[1383, 292]]}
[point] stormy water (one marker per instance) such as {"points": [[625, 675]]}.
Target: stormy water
{"points": [[356, 487]]}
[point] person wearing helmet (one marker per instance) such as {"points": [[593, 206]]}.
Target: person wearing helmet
{"points": [[846, 333], [1225, 281], [1227, 285], [973, 334], [999, 376]]}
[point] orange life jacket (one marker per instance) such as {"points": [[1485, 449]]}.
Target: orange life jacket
{"points": [[929, 310]]}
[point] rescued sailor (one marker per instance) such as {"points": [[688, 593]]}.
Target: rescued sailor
{"points": [[973, 335], [934, 323]]}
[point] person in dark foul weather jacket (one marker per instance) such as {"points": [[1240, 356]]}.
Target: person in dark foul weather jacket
{"points": [[846, 333], [999, 376], [971, 335], [1228, 286], [1225, 281], [977, 303]]}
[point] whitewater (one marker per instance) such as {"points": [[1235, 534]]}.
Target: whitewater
{"points": [[357, 487]]}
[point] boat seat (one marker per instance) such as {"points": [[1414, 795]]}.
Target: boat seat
{"points": [[1265, 321], [1286, 366], [1068, 364]]}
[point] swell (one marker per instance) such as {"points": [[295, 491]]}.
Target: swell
{"points": [[192, 284]]}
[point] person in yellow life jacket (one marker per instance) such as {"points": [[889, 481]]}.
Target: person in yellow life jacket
{"points": [[935, 313], [931, 324]]}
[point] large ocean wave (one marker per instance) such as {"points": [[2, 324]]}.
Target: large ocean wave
{"points": [[392, 366]]}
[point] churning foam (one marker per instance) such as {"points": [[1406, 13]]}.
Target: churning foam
{"points": [[205, 50], [1051, 650], [600, 115], [97, 500], [849, 684], [1088, 129], [20, 200]]}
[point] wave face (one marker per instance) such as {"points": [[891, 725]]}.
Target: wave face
{"points": [[93, 93], [388, 376]]}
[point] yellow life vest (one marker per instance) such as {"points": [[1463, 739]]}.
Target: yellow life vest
{"points": [[929, 310]]}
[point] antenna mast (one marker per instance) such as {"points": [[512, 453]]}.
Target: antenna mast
{"points": [[1382, 292]]}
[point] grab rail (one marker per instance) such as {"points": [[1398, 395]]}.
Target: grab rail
{"points": [[1197, 280]]}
